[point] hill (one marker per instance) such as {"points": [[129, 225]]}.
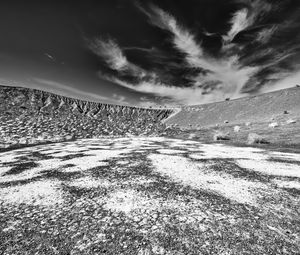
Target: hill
{"points": [[249, 109], [30, 116], [273, 117]]}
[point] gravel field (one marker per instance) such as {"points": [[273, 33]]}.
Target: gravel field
{"points": [[148, 196]]}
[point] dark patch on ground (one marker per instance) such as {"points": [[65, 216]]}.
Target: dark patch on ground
{"points": [[20, 146], [72, 156], [292, 191], [19, 182], [36, 155], [59, 175], [83, 226], [21, 167], [96, 149], [286, 161], [81, 192], [230, 167], [67, 166]]}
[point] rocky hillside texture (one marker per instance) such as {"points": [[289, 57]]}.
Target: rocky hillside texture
{"points": [[273, 117], [29, 116], [249, 109]]}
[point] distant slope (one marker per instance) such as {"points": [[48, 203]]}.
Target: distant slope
{"points": [[259, 108]]}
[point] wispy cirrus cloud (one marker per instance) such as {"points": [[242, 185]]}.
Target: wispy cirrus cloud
{"points": [[247, 17], [221, 78], [182, 39], [225, 71], [239, 22], [178, 95], [110, 52], [239, 67], [266, 34]]}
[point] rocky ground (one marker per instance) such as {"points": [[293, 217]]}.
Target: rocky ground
{"points": [[273, 116], [148, 196], [30, 117]]}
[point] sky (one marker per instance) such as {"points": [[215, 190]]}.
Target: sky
{"points": [[151, 53]]}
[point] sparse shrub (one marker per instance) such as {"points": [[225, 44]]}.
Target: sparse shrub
{"points": [[23, 140], [69, 137], [192, 136], [237, 129], [220, 136], [254, 138], [273, 125], [290, 121]]}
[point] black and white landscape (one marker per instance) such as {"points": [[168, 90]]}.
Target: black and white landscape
{"points": [[150, 127]]}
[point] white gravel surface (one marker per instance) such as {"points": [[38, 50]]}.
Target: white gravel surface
{"points": [[270, 168], [200, 176], [44, 193], [162, 156]]}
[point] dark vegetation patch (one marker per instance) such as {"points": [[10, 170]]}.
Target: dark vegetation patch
{"points": [[96, 149], [230, 167], [19, 182], [35, 155], [72, 156], [62, 176], [288, 178], [292, 191], [20, 146], [21, 167], [67, 166], [78, 192], [161, 187], [285, 161]]}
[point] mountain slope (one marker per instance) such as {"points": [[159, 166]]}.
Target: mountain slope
{"points": [[29, 116], [249, 109]]}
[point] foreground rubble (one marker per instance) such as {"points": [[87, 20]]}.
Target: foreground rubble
{"points": [[148, 196]]}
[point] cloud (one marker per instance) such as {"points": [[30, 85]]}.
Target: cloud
{"points": [[183, 40], [194, 76], [178, 95], [266, 34], [110, 52], [248, 16], [226, 70], [113, 55], [239, 22], [222, 77]]}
